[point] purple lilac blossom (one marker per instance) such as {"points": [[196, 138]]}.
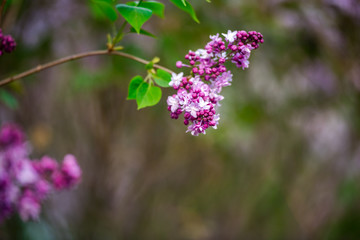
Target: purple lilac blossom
{"points": [[7, 43], [24, 183], [198, 95]]}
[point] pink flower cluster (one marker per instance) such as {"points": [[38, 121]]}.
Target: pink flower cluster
{"points": [[7, 43], [198, 95], [25, 184]]}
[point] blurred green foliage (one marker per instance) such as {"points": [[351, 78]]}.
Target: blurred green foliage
{"points": [[284, 163]]}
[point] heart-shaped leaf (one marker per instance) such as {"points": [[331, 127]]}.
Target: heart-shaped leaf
{"points": [[107, 9], [162, 78], [147, 95], [135, 16], [186, 6], [133, 86], [156, 7]]}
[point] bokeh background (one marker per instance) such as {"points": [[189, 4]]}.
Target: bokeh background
{"points": [[283, 164]]}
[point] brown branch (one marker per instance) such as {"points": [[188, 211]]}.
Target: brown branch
{"points": [[74, 57]]}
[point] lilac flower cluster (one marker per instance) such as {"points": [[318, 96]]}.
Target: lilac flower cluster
{"points": [[198, 95], [7, 43], [25, 184]]}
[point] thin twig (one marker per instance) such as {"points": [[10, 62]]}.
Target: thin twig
{"points": [[74, 57]]}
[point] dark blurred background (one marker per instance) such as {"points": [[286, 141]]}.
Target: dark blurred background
{"points": [[283, 164]]}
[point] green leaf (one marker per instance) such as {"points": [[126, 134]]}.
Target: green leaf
{"points": [[186, 7], [156, 7], [147, 95], [8, 99], [149, 66], [155, 60], [143, 32], [133, 86], [107, 9], [135, 16], [162, 78]]}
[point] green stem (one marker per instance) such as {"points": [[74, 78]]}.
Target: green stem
{"points": [[139, 3], [148, 78], [119, 35]]}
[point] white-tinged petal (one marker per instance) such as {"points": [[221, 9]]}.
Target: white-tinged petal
{"points": [[173, 102], [230, 36], [176, 79], [204, 104]]}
